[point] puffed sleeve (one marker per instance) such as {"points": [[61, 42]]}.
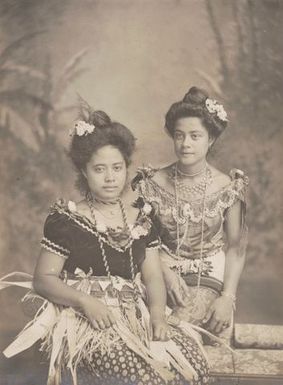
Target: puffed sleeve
{"points": [[240, 182], [56, 235], [237, 192]]}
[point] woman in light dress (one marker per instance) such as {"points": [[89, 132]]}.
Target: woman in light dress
{"points": [[199, 214]]}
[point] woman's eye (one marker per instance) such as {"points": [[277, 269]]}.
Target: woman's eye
{"points": [[178, 136], [99, 169], [195, 136], [117, 168]]}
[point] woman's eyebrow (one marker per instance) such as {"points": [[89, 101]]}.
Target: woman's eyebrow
{"points": [[193, 131], [105, 164], [179, 130]]}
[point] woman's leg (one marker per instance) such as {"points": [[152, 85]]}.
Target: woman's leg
{"points": [[191, 351], [123, 367], [198, 303]]}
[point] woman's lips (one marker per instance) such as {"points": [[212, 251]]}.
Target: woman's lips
{"points": [[110, 188]]}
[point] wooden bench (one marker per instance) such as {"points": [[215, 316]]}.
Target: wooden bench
{"points": [[257, 358]]}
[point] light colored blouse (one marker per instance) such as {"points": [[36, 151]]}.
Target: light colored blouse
{"points": [[186, 220]]}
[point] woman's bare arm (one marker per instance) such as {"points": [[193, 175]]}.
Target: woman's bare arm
{"points": [[235, 261], [47, 283], [220, 312], [156, 293]]}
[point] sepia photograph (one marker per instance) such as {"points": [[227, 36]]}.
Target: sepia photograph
{"points": [[141, 192]]}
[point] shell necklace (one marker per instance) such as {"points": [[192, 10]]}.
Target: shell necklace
{"points": [[182, 173], [104, 256], [207, 175], [196, 189]]}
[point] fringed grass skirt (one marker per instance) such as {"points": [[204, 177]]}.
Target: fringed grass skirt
{"points": [[122, 354]]}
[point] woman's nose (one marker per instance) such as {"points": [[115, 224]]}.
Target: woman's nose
{"points": [[109, 176], [187, 141]]}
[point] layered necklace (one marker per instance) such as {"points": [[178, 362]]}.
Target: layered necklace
{"points": [[188, 191], [92, 207], [201, 189], [118, 234]]}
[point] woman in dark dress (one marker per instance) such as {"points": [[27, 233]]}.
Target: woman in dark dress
{"points": [[104, 314]]}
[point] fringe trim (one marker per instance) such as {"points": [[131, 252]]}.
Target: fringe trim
{"points": [[69, 339]]}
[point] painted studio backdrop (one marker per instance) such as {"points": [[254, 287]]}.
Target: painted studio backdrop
{"points": [[133, 59]]}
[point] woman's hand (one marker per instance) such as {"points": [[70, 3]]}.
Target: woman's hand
{"points": [[176, 287], [97, 312], [219, 314], [160, 330]]}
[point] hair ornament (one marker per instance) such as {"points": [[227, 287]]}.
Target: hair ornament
{"points": [[214, 107], [82, 128]]}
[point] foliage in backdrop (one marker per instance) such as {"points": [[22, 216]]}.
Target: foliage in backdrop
{"points": [[247, 38]]}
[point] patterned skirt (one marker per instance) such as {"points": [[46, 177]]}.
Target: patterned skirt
{"points": [[122, 366], [198, 302], [123, 354]]}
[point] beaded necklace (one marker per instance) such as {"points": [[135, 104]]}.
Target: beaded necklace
{"points": [[104, 256], [179, 243], [191, 175], [195, 189]]}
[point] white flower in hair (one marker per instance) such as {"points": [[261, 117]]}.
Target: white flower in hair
{"points": [[147, 208], [83, 128], [214, 107]]}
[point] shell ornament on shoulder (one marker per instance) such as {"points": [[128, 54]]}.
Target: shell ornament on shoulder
{"points": [[236, 173], [142, 174]]}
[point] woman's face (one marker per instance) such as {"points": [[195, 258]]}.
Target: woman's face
{"points": [[106, 173], [191, 140]]}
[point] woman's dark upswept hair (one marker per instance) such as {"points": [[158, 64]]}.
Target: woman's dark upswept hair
{"points": [[193, 105], [106, 133]]}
